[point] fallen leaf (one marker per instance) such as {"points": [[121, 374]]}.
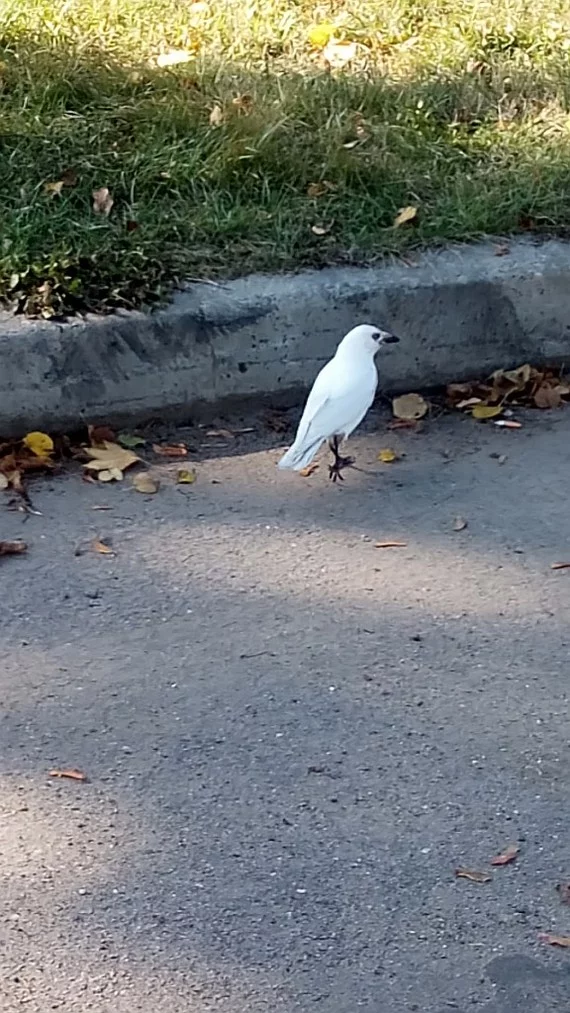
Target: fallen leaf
{"points": [[338, 54], [131, 225], [110, 456], [54, 189], [145, 483], [4, 483], [319, 35], [486, 411], [98, 545], [459, 523], [102, 201], [387, 456], [507, 856], [244, 103], [99, 434], [69, 177], [469, 402], [173, 57], [186, 476], [501, 458], [475, 877], [309, 470], [403, 424], [547, 397], [554, 940], [170, 450], [103, 506], [507, 424], [319, 189], [407, 214], [390, 545], [351, 144], [563, 890], [40, 444], [322, 229], [502, 250], [409, 406], [110, 475], [216, 116], [560, 566], [223, 434], [71, 773], [12, 548], [130, 441]]}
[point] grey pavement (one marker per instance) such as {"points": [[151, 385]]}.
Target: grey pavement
{"points": [[292, 737]]}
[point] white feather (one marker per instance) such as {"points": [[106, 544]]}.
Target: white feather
{"points": [[340, 397]]}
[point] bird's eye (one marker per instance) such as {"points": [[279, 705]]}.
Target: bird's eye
{"points": [[376, 336]]}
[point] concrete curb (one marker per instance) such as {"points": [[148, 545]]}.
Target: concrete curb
{"points": [[459, 312]]}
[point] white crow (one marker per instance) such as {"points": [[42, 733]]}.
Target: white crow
{"points": [[340, 397]]}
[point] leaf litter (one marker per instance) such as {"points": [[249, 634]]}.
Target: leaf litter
{"points": [[507, 856], [526, 386], [473, 875], [70, 773]]}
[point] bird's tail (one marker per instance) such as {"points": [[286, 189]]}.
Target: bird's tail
{"points": [[300, 455]]}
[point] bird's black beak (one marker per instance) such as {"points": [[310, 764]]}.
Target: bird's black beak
{"points": [[390, 339]]}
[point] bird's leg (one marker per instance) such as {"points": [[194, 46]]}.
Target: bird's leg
{"points": [[339, 462]]}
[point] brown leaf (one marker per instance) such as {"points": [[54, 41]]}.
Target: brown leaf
{"points": [[131, 225], [102, 201], [244, 103], [501, 250], [475, 877], [563, 890], [145, 483], [99, 435], [547, 397], [390, 545], [403, 424], [71, 773], [170, 450], [560, 566], [69, 177], [12, 548], [98, 545], [506, 856], [309, 470], [459, 523], [554, 940], [405, 215], [319, 189]]}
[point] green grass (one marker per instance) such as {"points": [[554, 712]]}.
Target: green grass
{"points": [[460, 108]]}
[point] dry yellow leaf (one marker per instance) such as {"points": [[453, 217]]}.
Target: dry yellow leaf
{"points": [[309, 470], [145, 483], [186, 476], [387, 456], [216, 116], [110, 475], [40, 444], [109, 456], [486, 411], [409, 406], [102, 201], [319, 35], [404, 215], [54, 189]]}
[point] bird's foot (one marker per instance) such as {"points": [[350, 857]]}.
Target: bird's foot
{"points": [[336, 467]]}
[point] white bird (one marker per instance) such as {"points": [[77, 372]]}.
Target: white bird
{"points": [[340, 397]]}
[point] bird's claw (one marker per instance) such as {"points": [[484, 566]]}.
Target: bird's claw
{"points": [[336, 467]]}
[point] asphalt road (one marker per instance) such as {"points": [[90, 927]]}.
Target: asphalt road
{"points": [[292, 737]]}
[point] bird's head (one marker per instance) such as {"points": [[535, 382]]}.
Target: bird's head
{"points": [[365, 337]]}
